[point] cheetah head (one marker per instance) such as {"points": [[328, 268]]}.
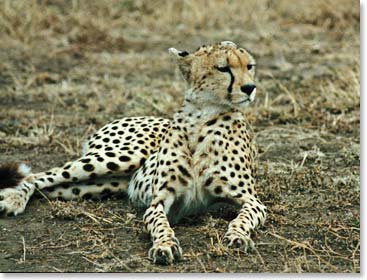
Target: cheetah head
{"points": [[221, 74]]}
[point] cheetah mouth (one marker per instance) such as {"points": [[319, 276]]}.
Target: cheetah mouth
{"points": [[244, 101]]}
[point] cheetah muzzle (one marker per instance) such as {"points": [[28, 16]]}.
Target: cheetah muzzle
{"points": [[204, 154]]}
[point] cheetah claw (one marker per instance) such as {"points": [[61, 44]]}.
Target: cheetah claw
{"points": [[233, 240], [165, 252]]}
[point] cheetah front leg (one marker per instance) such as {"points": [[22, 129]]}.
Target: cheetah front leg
{"points": [[170, 184], [166, 247], [252, 214]]}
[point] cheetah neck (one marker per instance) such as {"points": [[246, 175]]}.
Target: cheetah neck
{"points": [[198, 103], [196, 116], [204, 112]]}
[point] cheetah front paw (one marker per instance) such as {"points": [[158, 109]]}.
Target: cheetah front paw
{"points": [[165, 252], [237, 240], [12, 202]]}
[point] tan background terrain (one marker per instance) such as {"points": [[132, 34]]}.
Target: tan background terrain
{"points": [[68, 67]]}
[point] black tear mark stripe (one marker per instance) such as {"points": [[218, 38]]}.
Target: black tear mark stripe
{"points": [[230, 87], [228, 70]]}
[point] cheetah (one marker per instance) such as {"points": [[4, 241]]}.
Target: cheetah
{"points": [[203, 155]]}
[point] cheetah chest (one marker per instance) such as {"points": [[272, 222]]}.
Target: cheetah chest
{"points": [[221, 158]]}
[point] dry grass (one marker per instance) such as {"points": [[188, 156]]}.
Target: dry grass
{"points": [[68, 67]]}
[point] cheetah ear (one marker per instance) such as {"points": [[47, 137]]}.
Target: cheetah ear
{"points": [[184, 62], [178, 54], [228, 43]]}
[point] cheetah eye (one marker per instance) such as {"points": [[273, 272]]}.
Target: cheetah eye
{"points": [[223, 69], [249, 66]]}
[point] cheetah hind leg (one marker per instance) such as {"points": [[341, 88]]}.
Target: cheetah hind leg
{"points": [[13, 200], [91, 189], [17, 184]]}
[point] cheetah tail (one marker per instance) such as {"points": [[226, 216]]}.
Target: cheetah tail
{"points": [[12, 174]]}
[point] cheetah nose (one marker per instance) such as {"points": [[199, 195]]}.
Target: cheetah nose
{"points": [[248, 89]]}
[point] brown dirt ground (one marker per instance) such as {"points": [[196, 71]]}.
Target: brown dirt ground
{"points": [[68, 67]]}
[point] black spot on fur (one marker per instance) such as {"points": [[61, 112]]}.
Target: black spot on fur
{"points": [[88, 167], [67, 166], [218, 190], [208, 181], [183, 170], [124, 158], [106, 191], [201, 138], [182, 181], [75, 191], [163, 186], [170, 189], [211, 122], [65, 174], [87, 196], [112, 166]]}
